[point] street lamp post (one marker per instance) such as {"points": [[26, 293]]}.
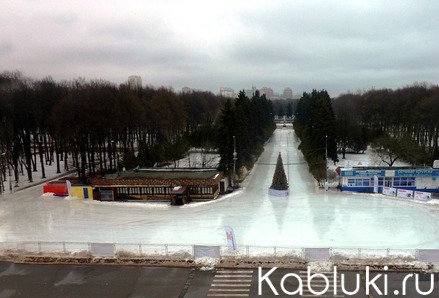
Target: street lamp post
{"points": [[326, 163], [234, 158], [2, 166]]}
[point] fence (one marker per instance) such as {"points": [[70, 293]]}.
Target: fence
{"points": [[185, 252]]}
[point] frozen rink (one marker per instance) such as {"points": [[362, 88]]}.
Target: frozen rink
{"points": [[308, 217]]}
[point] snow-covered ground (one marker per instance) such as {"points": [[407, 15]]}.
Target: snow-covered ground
{"points": [[197, 158], [308, 217]]}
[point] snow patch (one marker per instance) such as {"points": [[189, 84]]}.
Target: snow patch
{"points": [[321, 266], [219, 199], [209, 263], [71, 198]]}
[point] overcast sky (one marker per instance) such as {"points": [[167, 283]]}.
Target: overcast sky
{"points": [[335, 45]]}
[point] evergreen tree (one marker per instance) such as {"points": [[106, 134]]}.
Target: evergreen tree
{"points": [[279, 178], [226, 131], [249, 123], [244, 130], [315, 125]]}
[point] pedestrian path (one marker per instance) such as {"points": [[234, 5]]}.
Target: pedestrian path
{"points": [[231, 283]]}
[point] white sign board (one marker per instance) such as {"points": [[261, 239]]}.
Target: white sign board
{"points": [[422, 196], [317, 254], [102, 249], [203, 251], [389, 191], [428, 255], [375, 183], [404, 193]]}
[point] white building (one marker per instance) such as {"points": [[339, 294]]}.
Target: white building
{"points": [[267, 91], [288, 93], [250, 92], [186, 90], [135, 82], [227, 92]]}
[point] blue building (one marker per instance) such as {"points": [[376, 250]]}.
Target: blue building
{"points": [[373, 179]]}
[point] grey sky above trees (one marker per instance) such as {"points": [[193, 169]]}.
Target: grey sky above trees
{"points": [[339, 46]]}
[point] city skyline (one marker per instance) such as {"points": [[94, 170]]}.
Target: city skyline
{"points": [[135, 82]]}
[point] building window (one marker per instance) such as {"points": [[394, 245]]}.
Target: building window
{"points": [[404, 181], [162, 190], [360, 182], [206, 190], [363, 182], [123, 190]]}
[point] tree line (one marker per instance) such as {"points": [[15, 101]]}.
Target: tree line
{"points": [[315, 126], [284, 107], [97, 126], [400, 124], [245, 125]]}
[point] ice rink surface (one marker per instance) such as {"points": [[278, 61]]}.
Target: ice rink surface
{"points": [[308, 217]]}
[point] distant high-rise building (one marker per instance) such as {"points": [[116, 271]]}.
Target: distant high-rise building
{"points": [[135, 82], [250, 92], [227, 92], [288, 93], [186, 90], [267, 91]]}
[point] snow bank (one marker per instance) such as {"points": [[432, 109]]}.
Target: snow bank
{"points": [[209, 263]]}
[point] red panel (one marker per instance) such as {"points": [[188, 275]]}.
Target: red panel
{"points": [[59, 189]]}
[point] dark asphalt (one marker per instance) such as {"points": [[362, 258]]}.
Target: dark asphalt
{"points": [[21, 280], [30, 280]]}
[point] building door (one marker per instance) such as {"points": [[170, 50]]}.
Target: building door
{"points": [[85, 190], [222, 187], [107, 195], [388, 181]]}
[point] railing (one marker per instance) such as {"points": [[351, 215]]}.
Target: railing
{"points": [[187, 252]]}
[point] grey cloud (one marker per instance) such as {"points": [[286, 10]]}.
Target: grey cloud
{"points": [[5, 48], [302, 44], [63, 19]]}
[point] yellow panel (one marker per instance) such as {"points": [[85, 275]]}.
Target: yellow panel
{"points": [[79, 191]]}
